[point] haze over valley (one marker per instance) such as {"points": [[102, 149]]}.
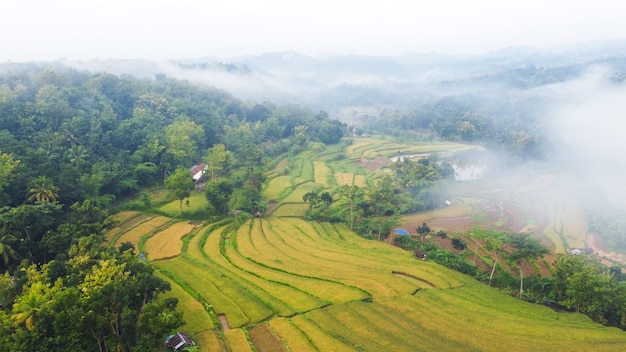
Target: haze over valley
{"points": [[312, 176]]}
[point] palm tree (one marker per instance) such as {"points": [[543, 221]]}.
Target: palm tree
{"points": [[76, 154], [42, 191], [6, 252], [26, 309]]}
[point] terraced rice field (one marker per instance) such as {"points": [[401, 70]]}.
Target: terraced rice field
{"points": [[134, 232], [285, 284], [320, 287], [167, 243], [278, 187], [322, 173], [291, 210], [344, 178]]}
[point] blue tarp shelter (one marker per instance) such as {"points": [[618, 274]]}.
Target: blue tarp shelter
{"points": [[401, 232]]}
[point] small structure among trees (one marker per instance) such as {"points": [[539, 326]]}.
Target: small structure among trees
{"points": [[179, 341], [197, 171]]}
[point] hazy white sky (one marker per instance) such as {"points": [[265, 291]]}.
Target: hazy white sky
{"points": [[165, 29]]}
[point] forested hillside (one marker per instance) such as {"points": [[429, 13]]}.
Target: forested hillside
{"points": [[73, 144]]}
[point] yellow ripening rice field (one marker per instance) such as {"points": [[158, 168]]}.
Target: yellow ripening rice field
{"points": [[167, 243], [208, 341], [344, 178], [290, 210], [321, 173], [317, 291], [276, 188], [441, 320], [134, 234], [302, 189], [554, 229], [284, 299], [237, 341], [320, 287], [196, 317], [126, 222], [297, 340], [226, 295], [360, 180]]}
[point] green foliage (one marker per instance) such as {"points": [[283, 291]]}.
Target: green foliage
{"points": [[319, 205], [218, 162], [106, 301], [218, 192], [182, 140], [422, 180], [355, 196], [28, 223], [584, 285], [181, 184], [98, 134], [7, 253], [7, 166], [42, 191]]}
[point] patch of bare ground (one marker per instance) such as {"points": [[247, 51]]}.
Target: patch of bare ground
{"points": [[272, 205], [223, 321], [607, 257], [378, 162], [450, 224], [264, 339]]}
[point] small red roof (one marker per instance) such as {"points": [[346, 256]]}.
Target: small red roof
{"points": [[198, 168]]}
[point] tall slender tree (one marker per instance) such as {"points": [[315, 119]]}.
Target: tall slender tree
{"points": [[526, 248], [181, 183], [355, 195]]}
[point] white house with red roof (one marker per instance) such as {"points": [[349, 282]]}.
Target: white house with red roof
{"points": [[197, 171]]}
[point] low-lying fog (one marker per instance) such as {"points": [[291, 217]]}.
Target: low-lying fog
{"points": [[577, 96]]}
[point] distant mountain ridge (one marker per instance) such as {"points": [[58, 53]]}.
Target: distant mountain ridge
{"points": [[332, 82]]}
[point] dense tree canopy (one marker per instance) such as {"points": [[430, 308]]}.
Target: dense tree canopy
{"points": [[73, 142], [102, 136]]}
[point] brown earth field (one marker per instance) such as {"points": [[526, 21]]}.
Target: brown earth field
{"points": [[606, 256], [514, 206], [375, 164]]}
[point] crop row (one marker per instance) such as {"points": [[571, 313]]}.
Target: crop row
{"points": [[290, 210], [226, 296], [281, 297], [430, 320]]}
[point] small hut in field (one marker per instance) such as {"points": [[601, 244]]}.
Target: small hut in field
{"points": [[420, 255], [179, 341]]}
